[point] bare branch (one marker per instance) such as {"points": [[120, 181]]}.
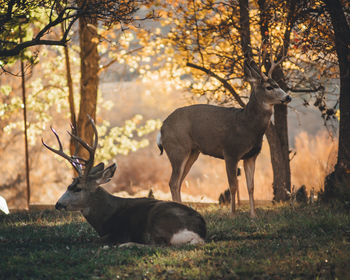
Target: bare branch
{"points": [[222, 80], [310, 90]]}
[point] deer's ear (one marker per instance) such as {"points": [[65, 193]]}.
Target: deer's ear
{"points": [[107, 174], [251, 72], [96, 169]]}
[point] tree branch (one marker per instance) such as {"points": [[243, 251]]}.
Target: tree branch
{"points": [[305, 89], [16, 50], [222, 80]]}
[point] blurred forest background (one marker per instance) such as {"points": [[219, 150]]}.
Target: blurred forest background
{"points": [[152, 57]]}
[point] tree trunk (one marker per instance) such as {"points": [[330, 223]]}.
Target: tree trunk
{"points": [[89, 61], [25, 125], [70, 94], [277, 137], [277, 133], [341, 175]]}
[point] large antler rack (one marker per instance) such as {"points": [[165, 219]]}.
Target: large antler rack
{"points": [[76, 161], [262, 53]]}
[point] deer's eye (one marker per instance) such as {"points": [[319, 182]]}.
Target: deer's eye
{"points": [[77, 189], [269, 88]]}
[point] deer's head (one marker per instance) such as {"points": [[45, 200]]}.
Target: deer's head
{"points": [[80, 192], [266, 90]]}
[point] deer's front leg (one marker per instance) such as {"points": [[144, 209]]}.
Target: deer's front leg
{"points": [[231, 170], [249, 168]]}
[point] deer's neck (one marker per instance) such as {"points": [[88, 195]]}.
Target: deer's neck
{"points": [[101, 206], [258, 113]]}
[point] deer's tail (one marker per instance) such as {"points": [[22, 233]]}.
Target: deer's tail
{"points": [[159, 142]]}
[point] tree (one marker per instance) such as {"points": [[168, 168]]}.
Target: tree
{"points": [[111, 12], [52, 13], [340, 16], [89, 64], [89, 61]]}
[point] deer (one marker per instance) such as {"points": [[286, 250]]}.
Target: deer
{"points": [[227, 133], [124, 221]]}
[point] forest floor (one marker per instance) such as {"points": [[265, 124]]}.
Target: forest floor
{"points": [[284, 242]]}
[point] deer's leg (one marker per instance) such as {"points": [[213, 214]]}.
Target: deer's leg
{"points": [[249, 168], [231, 170], [191, 160], [178, 162]]}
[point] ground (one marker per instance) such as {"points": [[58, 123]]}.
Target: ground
{"points": [[284, 242]]}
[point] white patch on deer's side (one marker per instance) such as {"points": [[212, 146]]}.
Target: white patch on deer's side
{"points": [[186, 236], [159, 139]]}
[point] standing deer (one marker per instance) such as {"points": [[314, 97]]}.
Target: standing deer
{"points": [[231, 134], [124, 220]]}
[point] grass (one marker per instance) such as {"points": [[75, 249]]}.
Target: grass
{"points": [[306, 242]]}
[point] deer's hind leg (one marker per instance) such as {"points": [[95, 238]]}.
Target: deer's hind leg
{"points": [[190, 161], [178, 162]]}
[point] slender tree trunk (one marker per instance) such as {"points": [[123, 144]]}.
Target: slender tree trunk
{"points": [[89, 61], [277, 133], [341, 30], [277, 137], [26, 150], [245, 29], [70, 94]]}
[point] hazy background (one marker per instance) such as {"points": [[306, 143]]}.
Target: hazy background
{"points": [[140, 171]]}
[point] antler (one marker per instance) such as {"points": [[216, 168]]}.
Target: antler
{"points": [[262, 53], [90, 162], [274, 65], [272, 62], [76, 161]]}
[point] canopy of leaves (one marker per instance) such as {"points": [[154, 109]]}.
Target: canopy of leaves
{"points": [[197, 45], [17, 15]]}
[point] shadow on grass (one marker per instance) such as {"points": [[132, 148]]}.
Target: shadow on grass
{"points": [[282, 243]]}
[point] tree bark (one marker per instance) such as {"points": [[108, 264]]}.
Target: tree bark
{"points": [[70, 94], [25, 124], [277, 133], [89, 66], [245, 29], [277, 137], [341, 175]]}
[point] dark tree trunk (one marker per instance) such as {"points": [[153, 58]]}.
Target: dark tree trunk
{"points": [[245, 29], [277, 133], [277, 137], [341, 175], [89, 61]]}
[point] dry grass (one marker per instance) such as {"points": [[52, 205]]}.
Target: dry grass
{"points": [[315, 158]]}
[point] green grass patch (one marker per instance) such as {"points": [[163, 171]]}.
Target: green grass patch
{"points": [[310, 242]]}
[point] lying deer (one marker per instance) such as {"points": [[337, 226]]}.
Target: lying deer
{"points": [[231, 134], [125, 220]]}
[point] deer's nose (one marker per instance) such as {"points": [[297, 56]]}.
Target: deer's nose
{"points": [[287, 99], [59, 206]]}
